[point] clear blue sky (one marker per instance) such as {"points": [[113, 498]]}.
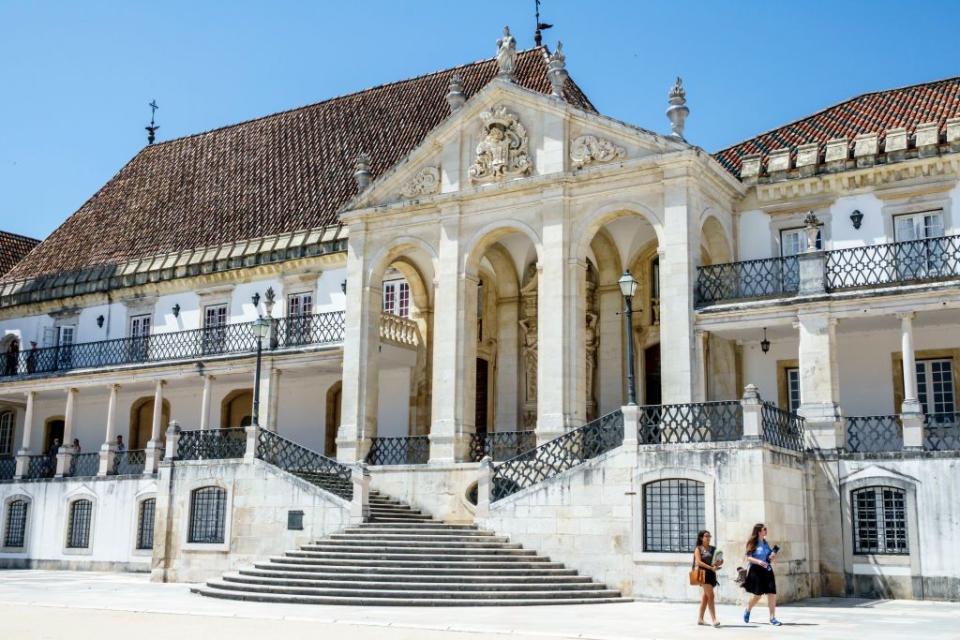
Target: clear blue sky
{"points": [[77, 76]]}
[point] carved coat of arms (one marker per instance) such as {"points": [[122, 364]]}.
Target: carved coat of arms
{"points": [[502, 151]]}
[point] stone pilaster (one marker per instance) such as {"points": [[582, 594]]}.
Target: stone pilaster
{"points": [[66, 452], [360, 504], [108, 450], [205, 401], [23, 455], [819, 381]]}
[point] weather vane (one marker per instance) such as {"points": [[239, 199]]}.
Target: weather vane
{"points": [[152, 128], [541, 26]]}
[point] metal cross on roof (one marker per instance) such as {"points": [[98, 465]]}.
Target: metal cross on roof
{"points": [[152, 128]]}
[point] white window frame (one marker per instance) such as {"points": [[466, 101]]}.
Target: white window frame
{"points": [[801, 234], [300, 304], [396, 298], [144, 320], [918, 221], [792, 406], [925, 372], [223, 318]]}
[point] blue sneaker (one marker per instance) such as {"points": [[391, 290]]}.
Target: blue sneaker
{"points": [[775, 622], [746, 615]]}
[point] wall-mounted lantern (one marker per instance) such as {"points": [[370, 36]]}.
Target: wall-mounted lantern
{"points": [[176, 310], [765, 344], [100, 321], [343, 287], [856, 218]]}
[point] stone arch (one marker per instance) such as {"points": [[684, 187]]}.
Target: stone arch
{"points": [[401, 247], [715, 238], [334, 395], [488, 235], [588, 225], [141, 420], [236, 409], [606, 258]]}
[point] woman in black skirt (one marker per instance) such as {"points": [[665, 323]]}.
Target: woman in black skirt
{"points": [[703, 559], [760, 579]]}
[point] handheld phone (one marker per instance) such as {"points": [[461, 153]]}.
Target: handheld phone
{"points": [[776, 548]]}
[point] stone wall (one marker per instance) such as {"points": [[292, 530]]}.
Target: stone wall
{"points": [[439, 489]]}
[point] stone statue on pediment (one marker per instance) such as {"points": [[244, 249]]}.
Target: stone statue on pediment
{"points": [[506, 54]]}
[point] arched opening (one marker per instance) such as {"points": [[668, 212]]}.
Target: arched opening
{"points": [[141, 422], [334, 394], [52, 434], [236, 409], [716, 248]]}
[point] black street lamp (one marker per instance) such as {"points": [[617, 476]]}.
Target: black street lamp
{"points": [[261, 329], [628, 287]]}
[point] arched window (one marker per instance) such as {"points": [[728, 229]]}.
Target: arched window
{"points": [[879, 521], [145, 523], [673, 513], [208, 510], [6, 433], [78, 533], [14, 536]]}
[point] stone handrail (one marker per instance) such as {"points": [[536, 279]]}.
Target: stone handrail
{"points": [[399, 330]]}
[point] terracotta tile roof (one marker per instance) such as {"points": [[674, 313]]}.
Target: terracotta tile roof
{"points": [[868, 113], [13, 248], [284, 172]]}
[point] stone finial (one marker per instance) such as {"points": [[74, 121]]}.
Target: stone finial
{"points": [[557, 70], [506, 54], [811, 227], [455, 97], [751, 392], [678, 111], [362, 171]]}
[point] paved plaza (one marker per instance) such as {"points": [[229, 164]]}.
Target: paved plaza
{"points": [[87, 605]]}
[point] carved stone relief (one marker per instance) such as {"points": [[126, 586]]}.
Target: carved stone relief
{"points": [[591, 340], [424, 183], [586, 150], [502, 150], [528, 336]]}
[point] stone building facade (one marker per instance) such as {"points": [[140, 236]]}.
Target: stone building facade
{"points": [[417, 288]]}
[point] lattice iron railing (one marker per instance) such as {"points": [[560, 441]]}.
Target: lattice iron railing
{"points": [[558, 455], [309, 465], [873, 434], [212, 444], [699, 422], [501, 445], [8, 467], [781, 428], [238, 338], [748, 279], [41, 466], [878, 264], [941, 431], [130, 463], [84, 465], [399, 450]]}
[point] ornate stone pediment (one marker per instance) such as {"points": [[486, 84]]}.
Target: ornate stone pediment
{"points": [[424, 182], [586, 150], [502, 151]]}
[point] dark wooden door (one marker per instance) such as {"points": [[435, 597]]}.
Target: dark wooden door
{"points": [[651, 377], [481, 415]]}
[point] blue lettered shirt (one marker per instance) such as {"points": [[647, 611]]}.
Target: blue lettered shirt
{"points": [[762, 552]]}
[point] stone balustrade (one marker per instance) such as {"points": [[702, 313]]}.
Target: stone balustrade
{"points": [[399, 330]]}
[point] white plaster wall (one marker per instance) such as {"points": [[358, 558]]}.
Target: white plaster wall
{"points": [[843, 235], [112, 530], [754, 233], [302, 410], [393, 414]]}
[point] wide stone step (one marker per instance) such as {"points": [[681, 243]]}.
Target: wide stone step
{"points": [[532, 562], [408, 585], [499, 577], [385, 553], [426, 543], [299, 565], [414, 526], [448, 538]]}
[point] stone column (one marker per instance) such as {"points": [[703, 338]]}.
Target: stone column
{"points": [[610, 363], [507, 416], [66, 446], [449, 329], [575, 297], [152, 450], [819, 380], [679, 256], [361, 355], [268, 401], [911, 410], [752, 413], [553, 325], [484, 488], [273, 399], [702, 338], [205, 401], [23, 455], [360, 503], [108, 450]]}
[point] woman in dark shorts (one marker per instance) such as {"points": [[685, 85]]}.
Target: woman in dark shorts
{"points": [[760, 580], [703, 559]]}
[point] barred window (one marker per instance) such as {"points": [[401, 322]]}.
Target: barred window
{"points": [[16, 531], [78, 533], [208, 509], [145, 524], [879, 521], [673, 512]]}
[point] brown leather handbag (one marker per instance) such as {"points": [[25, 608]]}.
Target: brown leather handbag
{"points": [[697, 576]]}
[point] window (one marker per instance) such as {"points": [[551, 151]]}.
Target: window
{"points": [[673, 513], [65, 340], [78, 533], [794, 241], [918, 226], [879, 521], [396, 298], [935, 388], [214, 328], [300, 304], [793, 389], [15, 534], [299, 308], [139, 334], [920, 259], [208, 509], [6, 433], [145, 523]]}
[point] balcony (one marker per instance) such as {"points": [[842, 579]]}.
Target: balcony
{"points": [[230, 339], [873, 266]]}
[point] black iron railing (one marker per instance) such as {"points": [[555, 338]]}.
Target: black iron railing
{"points": [[699, 422], [399, 450], [879, 264], [130, 463], [212, 444], [84, 465], [781, 428], [764, 278], [309, 465], [558, 455], [41, 466], [501, 445], [873, 434], [8, 467], [315, 329], [941, 431]]}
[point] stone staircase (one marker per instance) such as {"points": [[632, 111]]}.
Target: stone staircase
{"points": [[404, 557]]}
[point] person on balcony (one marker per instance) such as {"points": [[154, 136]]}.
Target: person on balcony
{"points": [[760, 580], [703, 558], [54, 448], [76, 445], [120, 446]]}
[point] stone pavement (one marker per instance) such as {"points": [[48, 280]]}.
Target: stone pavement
{"points": [[87, 605]]}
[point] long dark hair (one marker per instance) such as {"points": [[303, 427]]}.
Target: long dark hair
{"points": [[754, 537], [700, 537]]}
